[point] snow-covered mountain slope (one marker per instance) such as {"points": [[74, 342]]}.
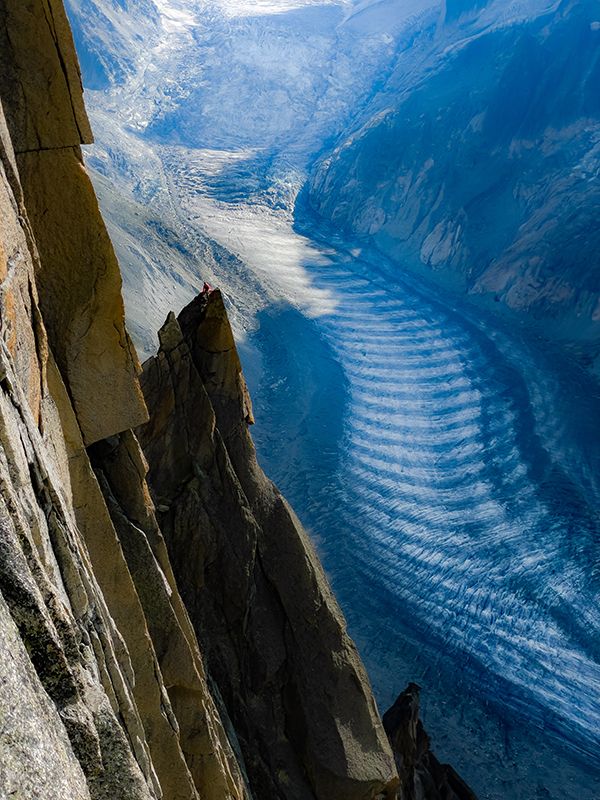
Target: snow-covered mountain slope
{"points": [[110, 34], [479, 161]]}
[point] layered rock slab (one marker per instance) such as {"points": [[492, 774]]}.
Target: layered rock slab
{"points": [[272, 634], [212, 763], [74, 668], [77, 276]]}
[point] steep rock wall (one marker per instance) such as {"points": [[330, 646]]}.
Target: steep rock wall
{"points": [[77, 274], [77, 673], [97, 719]]}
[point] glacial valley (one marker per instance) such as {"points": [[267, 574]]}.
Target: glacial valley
{"points": [[443, 452]]}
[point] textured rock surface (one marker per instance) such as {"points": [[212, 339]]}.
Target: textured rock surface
{"points": [[211, 761], [35, 752], [78, 678], [78, 276], [40, 81], [422, 777], [96, 717], [80, 293], [273, 636]]}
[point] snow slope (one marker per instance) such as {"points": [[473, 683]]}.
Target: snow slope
{"points": [[258, 86]]}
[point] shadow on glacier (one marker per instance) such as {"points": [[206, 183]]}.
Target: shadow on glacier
{"points": [[300, 398]]}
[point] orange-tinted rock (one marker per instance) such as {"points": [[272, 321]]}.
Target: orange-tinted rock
{"points": [[79, 285], [77, 274], [40, 82]]}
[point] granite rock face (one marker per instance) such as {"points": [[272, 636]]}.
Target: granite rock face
{"points": [[94, 669], [63, 644], [77, 274], [273, 636]]}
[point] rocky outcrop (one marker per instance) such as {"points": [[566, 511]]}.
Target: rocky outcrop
{"points": [[78, 729], [213, 766], [272, 634], [422, 777], [97, 699]]}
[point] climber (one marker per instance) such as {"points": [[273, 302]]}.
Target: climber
{"points": [[207, 288]]}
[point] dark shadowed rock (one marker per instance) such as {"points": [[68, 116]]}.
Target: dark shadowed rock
{"points": [[422, 777]]}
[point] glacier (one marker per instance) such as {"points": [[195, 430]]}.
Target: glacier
{"points": [[445, 458]]}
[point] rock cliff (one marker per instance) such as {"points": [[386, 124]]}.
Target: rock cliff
{"points": [[192, 651], [97, 648]]}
